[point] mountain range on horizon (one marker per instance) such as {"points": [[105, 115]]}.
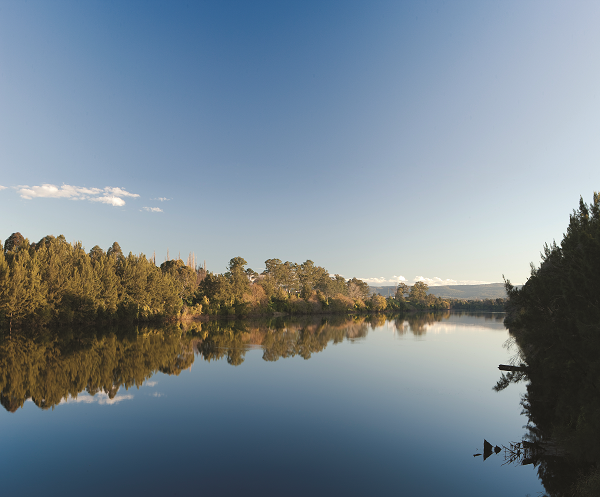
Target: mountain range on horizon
{"points": [[468, 292]]}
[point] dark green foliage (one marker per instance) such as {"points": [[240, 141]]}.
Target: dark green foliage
{"points": [[184, 277], [490, 305], [555, 319], [53, 281]]}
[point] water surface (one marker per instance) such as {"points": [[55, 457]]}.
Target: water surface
{"points": [[331, 406]]}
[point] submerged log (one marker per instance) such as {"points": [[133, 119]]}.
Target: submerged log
{"points": [[506, 367]]}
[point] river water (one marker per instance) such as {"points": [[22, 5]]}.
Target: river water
{"points": [[326, 406]]}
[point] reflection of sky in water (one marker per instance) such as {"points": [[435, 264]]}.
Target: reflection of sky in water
{"points": [[101, 398], [448, 324], [388, 417]]}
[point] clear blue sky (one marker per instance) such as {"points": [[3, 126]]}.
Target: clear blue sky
{"points": [[444, 140]]}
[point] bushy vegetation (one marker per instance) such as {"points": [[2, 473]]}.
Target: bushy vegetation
{"points": [[54, 281], [411, 298], [487, 305], [283, 287], [555, 319]]}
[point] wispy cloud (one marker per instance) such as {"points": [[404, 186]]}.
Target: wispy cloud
{"points": [[151, 383], [119, 192], [161, 199], [107, 195], [156, 394], [153, 209], [3, 187]]}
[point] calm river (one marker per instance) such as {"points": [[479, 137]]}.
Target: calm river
{"points": [[329, 406]]}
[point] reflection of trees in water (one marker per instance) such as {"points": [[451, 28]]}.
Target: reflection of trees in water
{"points": [[487, 316], [417, 323], [278, 338], [49, 367], [562, 404], [377, 320]]}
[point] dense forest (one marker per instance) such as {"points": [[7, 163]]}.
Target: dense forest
{"points": [[56, 281], [555, 321]]}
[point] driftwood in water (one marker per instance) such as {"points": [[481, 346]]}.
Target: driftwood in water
{"points": [[506, 367]]}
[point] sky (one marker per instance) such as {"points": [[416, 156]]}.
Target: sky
{"points": [[390, 141]]}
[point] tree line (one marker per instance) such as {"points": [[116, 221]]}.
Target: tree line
{"points": [[555, 321], [54, 281]]}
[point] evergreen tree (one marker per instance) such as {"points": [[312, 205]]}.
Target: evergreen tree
{"points": [[13, 242]]}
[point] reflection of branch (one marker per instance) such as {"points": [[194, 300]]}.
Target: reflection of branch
{"points": [[514, 453], [525, 452], [507, 379]]}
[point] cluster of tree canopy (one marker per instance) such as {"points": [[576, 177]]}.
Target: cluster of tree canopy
{"points": [[555, 321], [490, 305], [415, 297], [282, 287], [309, 289], [56, 281], [59, 282]]}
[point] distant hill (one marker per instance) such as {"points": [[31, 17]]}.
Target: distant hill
{"points": [[470, 292]]}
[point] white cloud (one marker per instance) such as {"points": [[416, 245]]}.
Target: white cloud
{"points": [[108, 195], [435, 281], [151, 383], [153, 209], [3, 187], [99, 398], [119, 192], [53, 191], [116, 201], [156, 394], [161, 199]]}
